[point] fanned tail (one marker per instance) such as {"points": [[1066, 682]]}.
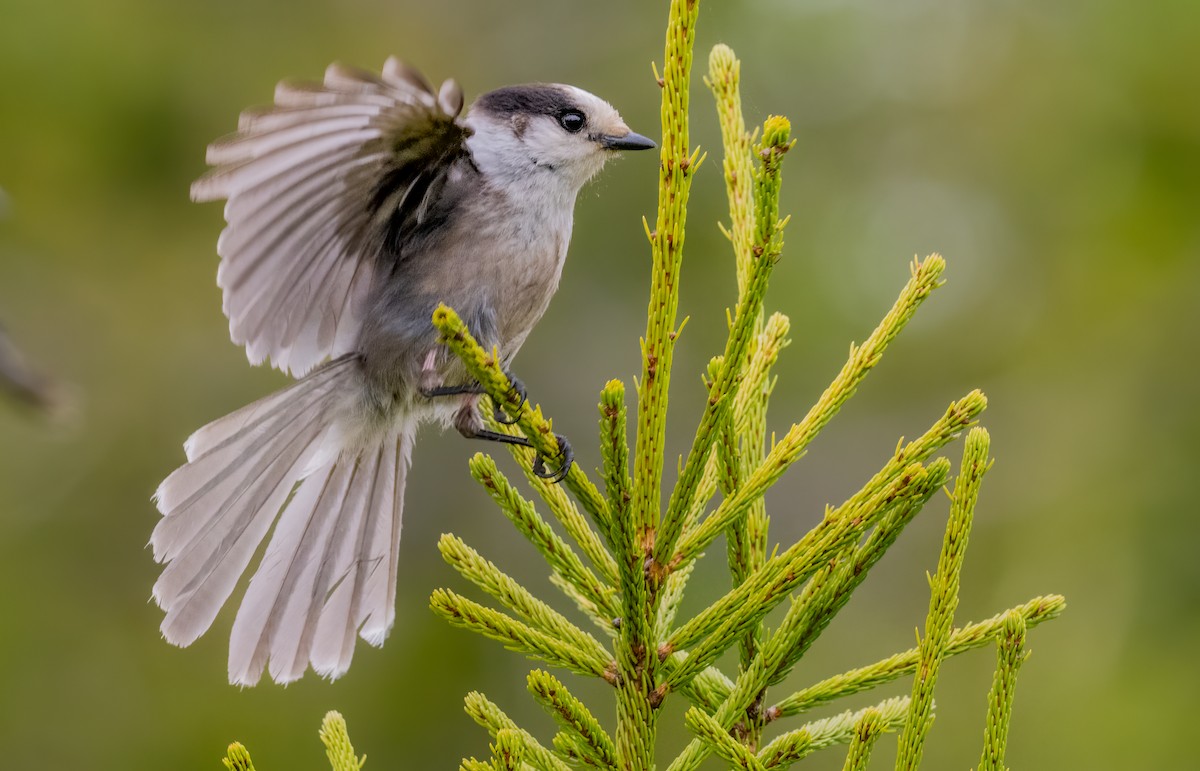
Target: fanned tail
{"points": [[330, 568], [329, 571]]}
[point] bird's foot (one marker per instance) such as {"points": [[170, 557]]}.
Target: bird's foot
{"points": [[515, 388], [469, 428], [558, 474]]}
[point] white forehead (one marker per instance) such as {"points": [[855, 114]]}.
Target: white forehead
{"points": [[587, 101], [600, 113]]}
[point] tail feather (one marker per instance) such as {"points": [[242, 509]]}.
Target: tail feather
{"points": [[332, 569], [347, 604], [377, 606], [290, 642], [329, 569], [271, 619], [201, 575], [313, 591], [220, 431], [195, 496]]}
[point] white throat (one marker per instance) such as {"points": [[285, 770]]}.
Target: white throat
{"points": [[526, 166]]}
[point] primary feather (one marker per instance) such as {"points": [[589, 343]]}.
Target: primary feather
{"points": [[298, 254]]}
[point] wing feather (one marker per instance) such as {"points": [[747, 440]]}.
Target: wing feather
{"points": [[316, 184], [242, 146], [274, 117]]}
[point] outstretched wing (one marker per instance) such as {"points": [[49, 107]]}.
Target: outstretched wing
{"points": [[316, 185]]}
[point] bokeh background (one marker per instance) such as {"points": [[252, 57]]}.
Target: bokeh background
{"points": [[1050, 150]]}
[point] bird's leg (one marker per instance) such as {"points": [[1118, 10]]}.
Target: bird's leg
{"points": [[430, 387], [469, 425], [454, 390], [516, 388]]}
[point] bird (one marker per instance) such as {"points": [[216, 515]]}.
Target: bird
{"points": [[354, 206]]}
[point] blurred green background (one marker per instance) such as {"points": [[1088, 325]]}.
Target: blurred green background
{"points": [[1050, 150]]}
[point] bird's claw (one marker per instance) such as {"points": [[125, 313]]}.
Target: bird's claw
{"points": [[515, 388], [558, 474]]}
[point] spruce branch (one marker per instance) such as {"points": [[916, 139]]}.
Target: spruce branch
{"points": [[969, 637], [839, 729], [707, 689], [593, 545], [519, 637], [749, 406], [508, 753], [333, 735], [652, 557], [960, 415], [925, 278], [637, 702], [728, 478], [625, 536], [485, 712], [592, 743], [724, 80], [769, 585], [598, 616], [705, 489], [569, 747], [237, 758], [1010, 654], [822, 598], [540, 616], [744, 434], [338, 749], [739, 450], [720, 742], [561, 506], [485, 367], [867, 730], [765, 253], [944, 597], [669, 598], [614, 454], [677, 166], [818, 605], [561, 558], [672, 590]]}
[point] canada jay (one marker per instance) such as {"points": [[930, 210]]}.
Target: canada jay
{"points": [[354, 207]]}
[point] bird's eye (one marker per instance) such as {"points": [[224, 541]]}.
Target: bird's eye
{"points": [[572, 120]]}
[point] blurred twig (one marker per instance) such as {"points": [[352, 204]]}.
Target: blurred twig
{"points": [[21, 382]]}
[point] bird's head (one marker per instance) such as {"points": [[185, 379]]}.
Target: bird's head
{"points": [[523, 132]]}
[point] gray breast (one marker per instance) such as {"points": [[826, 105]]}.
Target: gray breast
{"points": [[494, 258]]}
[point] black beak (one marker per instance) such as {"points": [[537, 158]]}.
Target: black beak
{"points": [[630, 141]]}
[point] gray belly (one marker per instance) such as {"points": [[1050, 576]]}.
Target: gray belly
{"points": [[500, 287]]}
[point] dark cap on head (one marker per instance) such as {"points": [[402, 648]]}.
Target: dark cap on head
{"points": [[574, 110], [535, 99]]}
